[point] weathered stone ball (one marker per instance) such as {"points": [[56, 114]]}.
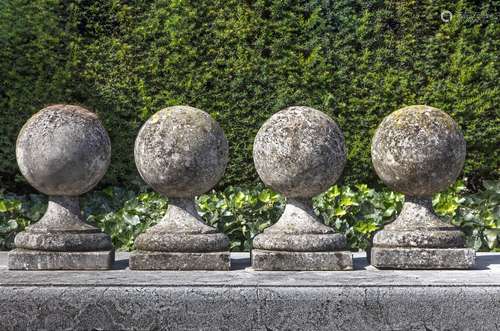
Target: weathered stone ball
{"points": [[181, 152], [418, 150], [63, 150], [299, 152]]}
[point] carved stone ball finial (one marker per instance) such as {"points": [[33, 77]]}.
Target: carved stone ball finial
{"points": [[62, 151], [181, 152], [299, 152], [419, 151]]}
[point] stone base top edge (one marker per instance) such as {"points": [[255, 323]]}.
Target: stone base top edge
{"points": [[180, 261], [266, 260], [422, 258], [26, 259]]}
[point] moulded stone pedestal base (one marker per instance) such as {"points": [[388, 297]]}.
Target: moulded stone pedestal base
{"points": [[301, 261], [27, 259], [147, 260], [422, 258]]}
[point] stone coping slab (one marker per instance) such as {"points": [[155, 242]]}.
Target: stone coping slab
{"points": [[241, 299], [486, 272]]}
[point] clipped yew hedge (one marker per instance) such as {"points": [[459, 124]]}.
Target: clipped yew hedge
{"points": [[244, 60]]}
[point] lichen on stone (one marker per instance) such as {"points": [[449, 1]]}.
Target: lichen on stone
{"points": [[63, 150], [418, 150]]}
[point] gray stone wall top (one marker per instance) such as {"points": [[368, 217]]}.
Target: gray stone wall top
{"points": [[486, 272], [365, 299]]}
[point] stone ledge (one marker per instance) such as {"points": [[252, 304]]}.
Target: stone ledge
{"points": [[363, 299]]}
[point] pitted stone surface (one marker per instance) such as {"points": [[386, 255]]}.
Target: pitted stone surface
{"points": [[152, 240], [364, 299], [181, 152], [182, 230], [420, 238], [418, 226], [93, 240], [299, 152], [299, 218], [299, 230], [62, 228], [28, 259], [63, 214], [419, 151], [141, 260], [423, 258], [63, 151], [300, 242], [302, 261]]}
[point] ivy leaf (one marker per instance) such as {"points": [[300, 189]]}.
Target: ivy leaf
{"points": [[131, 219], [389, 212], [491, 236], [340, 212], [265, 196], [3, 206]]}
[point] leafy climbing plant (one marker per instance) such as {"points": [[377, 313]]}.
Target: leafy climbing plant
{"points": [[243, 212]]}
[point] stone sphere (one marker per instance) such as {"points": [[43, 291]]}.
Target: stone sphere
{"points": [[181, 152], [418, 150], [299, 152], [63, 150]]}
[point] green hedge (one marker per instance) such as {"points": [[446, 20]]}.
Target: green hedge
{"points": [[244, 60]]}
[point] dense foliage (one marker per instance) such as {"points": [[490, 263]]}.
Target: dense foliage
{"points": [[244, 60], [357, 211]]}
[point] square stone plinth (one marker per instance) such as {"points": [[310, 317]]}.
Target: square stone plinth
{"points": [[422, 258], [301, 261], [25, 259], [144, 260]]}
